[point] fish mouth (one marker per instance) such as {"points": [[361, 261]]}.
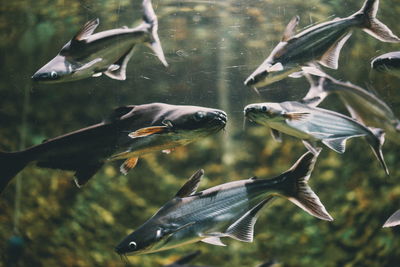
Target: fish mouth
{"points": [[253, 80], [219, 120]]}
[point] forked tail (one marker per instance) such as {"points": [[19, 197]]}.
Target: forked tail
{"points": [[299, 192], [150, 18], [376, 142], [373, 26], [10, 165]]}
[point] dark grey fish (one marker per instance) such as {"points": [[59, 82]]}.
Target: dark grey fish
{"points": [[129, 132], [183, 262], [389, 62], [311, 124], [393, 220], [321, 43], [91, 54], [227, 210], [363, 105]]}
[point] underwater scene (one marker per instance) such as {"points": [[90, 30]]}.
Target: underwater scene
{"points": [[199, 133]]}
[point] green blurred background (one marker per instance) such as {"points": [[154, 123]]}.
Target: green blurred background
{"points": [[211, 46]]}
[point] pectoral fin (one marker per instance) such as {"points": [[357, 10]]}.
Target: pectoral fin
{"points": [[171, 229], [87, 30], [213, 240], [276, 67], [336, 144], [296, 115], [191, 185], [296, 75], [128, 165], [89, 65], [119, 73], [290, 29], [243, 229], [277, 135], [331, 57], [148, 131]]}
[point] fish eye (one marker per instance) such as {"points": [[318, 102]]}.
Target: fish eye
{"points": [[199, 115], [53, 74], [132, 245], [264, 109]]}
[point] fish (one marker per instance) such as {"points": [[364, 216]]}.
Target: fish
{"points": [[320, 43], [393, 220], [90, 54], [128, 133], [389, 63], [312, 124], [364, 106], [226, 210], [182, 262]]}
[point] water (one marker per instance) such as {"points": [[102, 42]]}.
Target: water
{"points": [[212, 47]]}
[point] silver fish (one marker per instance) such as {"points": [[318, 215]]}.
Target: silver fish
{"points": [[389, 62], [320, 43], [362, 105], [227, 210], [129, 132], [311, 124], [108, 52], [393, 220]]}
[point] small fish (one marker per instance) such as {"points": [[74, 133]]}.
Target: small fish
{"points": [[311, 124], [362, 105], [389, 62], [227, 210], [393, 220], [129, 132], [182, 262], [320, 43], [91, 54]]}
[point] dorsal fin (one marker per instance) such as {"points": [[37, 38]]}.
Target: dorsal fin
{"points": [[290, 29], [118, 112], [86, 30], [191, 185]]}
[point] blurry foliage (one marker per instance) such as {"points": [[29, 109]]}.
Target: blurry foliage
{"points": [[65, 226]]}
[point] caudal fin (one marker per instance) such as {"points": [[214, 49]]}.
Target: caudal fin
{"points": [[10, 165], [150, 18], [373, 26], [299, 192], [317, 93], [393, 220], [376, 143]]}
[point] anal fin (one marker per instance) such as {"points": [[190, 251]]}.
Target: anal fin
{"points": [[213, 240], [83, 174], [243, 228], [117, 70], [128, 165], [336, 144], [331, 57]]}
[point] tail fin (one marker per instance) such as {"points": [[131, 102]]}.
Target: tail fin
{"points": [[376, 143], [150, 18], [317, 93], [393, 220], [299, 192], [373, 26], [10, 165]]}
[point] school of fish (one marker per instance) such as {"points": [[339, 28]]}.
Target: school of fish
{"points": [[228, 210]]}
